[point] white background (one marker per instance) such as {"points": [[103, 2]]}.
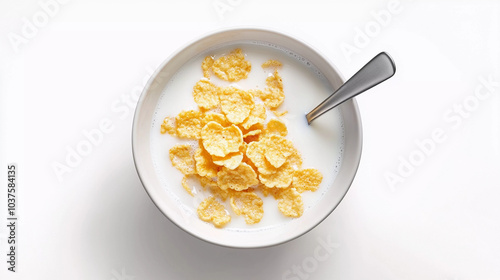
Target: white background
{"points": [[65, 76]]}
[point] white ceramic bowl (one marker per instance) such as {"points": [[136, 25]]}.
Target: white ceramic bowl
{"points": [[243, 239]]}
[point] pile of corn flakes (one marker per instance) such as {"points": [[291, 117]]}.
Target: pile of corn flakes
{"points": [[239, 154]]}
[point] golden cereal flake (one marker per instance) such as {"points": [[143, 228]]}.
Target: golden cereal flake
{"points": [[255, 92], [278, 149], [271, 63], [230, 161], [204, 164], [208, 182], [279, 114], [281, 178], [186, 186], [215, 117], [206, 94], [257, 116], [273, 95], [232, 67], [247, 160], [265, 190], [210, 210], [236, 104], [276, 127], [238, 179], [252, 133], [189, 124], [248, 204], [290, 203], [256, 153], [206, 65], [257, 126], [306, 179], [220, 141], [275, 81], [212, 186], [168, 125], [275, 192], [295, 159], [182, 159], [250, 163]]}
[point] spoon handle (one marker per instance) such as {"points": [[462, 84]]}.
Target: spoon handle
{"points": [[377, 70]]}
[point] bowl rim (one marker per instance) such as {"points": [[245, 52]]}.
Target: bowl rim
{"points": [[158, 202]]}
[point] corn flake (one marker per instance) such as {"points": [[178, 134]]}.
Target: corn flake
{"points": [[189, 124], [186, 186], [275, 192], [206, 65], [307, 179], [249, 162], [168, 125], [257, 116], [205, 94], [230, 161], [215, 117], [252, 133], [182, 159], [290, 203], [276, 127], [279, 114], [241, 178], [255, 92], [204, 164], [281, 178], [248, 204], [220, 141], [236, 104], [210, 210], [273, 94], [232, 67], [271, 63], [207, 182], [272, 97], [295, 159], [256, 153], [278, 149], [213, 188], [257, 126], [275, 81]]}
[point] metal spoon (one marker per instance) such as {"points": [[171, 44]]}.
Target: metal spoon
{"points": [[377, 70]]}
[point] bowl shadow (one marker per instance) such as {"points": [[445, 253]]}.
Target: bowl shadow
{"points": [[125, 233]]}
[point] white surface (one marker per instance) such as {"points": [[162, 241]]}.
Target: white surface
{"points": [[85, 65]]}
